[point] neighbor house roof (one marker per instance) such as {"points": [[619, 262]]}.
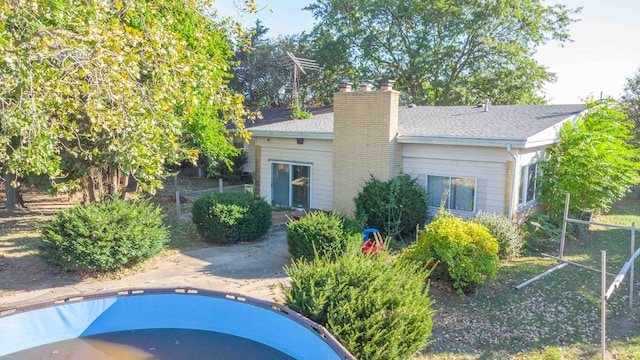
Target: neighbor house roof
{"points": [[519, 125]]}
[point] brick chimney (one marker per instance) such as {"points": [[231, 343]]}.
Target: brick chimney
{"points": [[345, 86], [386, 84], [366, 86], [365, 124]]}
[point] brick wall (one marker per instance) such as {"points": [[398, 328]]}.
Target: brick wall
{"points": [[364, 129]]}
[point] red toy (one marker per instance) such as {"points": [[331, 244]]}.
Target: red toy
{"points": [[371, 246]]}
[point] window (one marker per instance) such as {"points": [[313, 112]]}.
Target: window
{"points": [[461, 192], [528, 175], [291, 185]]}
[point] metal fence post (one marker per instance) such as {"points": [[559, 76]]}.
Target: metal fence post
{"points": [[564, 224], [603, 306], [633, 250]]}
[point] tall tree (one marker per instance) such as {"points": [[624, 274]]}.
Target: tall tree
{"points": [[593, 161], [263, 68], [442, 52], [93, 92], [631, 102]]}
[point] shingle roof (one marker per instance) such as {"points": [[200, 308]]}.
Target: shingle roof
{"points": [[517, 122], [318, 125], [278, 115], [504, 122]]}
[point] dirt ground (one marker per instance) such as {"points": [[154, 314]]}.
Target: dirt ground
{"points": [[254, 269]]}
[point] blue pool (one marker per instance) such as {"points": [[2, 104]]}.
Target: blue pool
{"points": [[154, 322]]}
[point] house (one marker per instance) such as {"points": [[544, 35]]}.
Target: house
{"points": [[485, 157]]}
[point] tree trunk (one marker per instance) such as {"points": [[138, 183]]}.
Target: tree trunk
{"points": [[12, 196], [114, 180], [133, 183], [94, 181], [125, 187]]}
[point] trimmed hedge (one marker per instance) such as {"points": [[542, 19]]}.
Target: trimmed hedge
{"points": [[376, 309], [321, 234], [394, 207], [228, 218], [465, 252], [509, 236], [103, 237]]}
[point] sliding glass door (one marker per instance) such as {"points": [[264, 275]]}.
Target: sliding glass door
{"points": [[291, 185]]}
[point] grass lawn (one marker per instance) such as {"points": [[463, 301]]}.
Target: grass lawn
{"points": [[556, 317]]}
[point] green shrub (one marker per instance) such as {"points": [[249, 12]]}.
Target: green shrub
{"points": [[103, 237], [319, 233], [376, 309], [394, 207], [299, 114], [510, 238], [227, 218], [232, 172], [543, 233], [465, 253]]}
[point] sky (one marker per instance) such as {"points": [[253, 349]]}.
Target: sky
{"points": [[605, 50]]}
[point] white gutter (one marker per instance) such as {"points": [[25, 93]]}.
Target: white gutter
{"points": [[454, 140], [513, 180], [292, 134]]}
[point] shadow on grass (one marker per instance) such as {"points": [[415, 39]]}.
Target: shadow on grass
{"points": [[20, 268], [28, 273]]}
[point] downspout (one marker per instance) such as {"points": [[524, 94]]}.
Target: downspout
{"points": [[513, 181]]}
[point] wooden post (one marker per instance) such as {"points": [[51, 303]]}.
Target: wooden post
{"points": [[175, 184], [564, 224], [178, 204]]}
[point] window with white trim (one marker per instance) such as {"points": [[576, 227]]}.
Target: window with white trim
{"points": [[461, 192], [528, 174]]}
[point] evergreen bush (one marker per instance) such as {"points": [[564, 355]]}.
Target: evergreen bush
{"points": [[227, 218], [319, 233], [376, 309], [509, 236], [464, 252], [394, 207], [104, 236]]}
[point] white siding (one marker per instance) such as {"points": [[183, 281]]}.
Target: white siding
{"points": [[487, 165], [250, 148], [316, 153], [528, 156]]}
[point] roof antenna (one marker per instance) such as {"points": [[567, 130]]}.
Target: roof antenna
{"points": [[299, 64]]}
